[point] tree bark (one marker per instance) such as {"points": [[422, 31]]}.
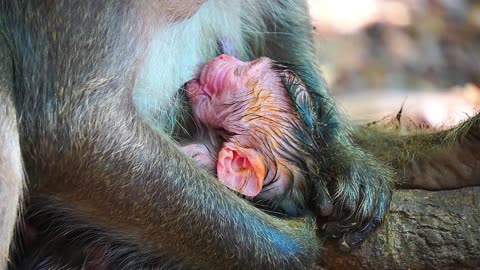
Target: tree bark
{"points": [[424, 230]]}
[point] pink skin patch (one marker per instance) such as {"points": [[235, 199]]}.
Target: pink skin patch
{"points": [[241, 169], [216, 84], [201, 154], [241, 98]]}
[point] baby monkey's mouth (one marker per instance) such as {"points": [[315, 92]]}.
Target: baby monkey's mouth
{"points": [[194, 89]]}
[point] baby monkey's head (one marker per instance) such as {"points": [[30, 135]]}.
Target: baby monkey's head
{"points": [[260, 110]]}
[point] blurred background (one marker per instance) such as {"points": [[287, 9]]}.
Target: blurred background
{"points": [[380, 55]]}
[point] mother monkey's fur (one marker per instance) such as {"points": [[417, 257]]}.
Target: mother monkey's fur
{"points": [[88, 113]]}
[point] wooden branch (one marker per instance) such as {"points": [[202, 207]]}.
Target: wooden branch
{"points": [[424, 230]]}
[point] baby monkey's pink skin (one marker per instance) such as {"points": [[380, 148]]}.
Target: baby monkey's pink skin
{"points": [[247, 105]]}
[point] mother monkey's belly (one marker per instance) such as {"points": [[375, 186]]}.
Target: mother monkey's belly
{"points": [[179, 46]]}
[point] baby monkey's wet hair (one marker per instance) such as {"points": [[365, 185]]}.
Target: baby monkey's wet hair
{"points": [[296, 144]]}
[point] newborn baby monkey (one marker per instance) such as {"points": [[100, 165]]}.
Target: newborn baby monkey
{"points": [[255, 116]]}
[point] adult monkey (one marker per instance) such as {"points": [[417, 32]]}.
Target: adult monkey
{"points": [[78, 79]]}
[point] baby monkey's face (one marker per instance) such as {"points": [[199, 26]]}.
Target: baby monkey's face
{"points": [[248, 105], [228, 91]]}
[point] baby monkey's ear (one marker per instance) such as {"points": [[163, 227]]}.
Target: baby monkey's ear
{"points": [[241, 169]]}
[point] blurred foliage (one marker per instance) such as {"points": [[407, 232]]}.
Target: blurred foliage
{"points": [[438, 48]]}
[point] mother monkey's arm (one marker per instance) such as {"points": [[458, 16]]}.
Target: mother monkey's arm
{"points": [[354, 192]]}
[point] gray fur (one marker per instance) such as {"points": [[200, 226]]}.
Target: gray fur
{"points": [[94, 85]]}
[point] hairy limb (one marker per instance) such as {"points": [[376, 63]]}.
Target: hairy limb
{"points": [[170, 194], [426, 158], [355, 184]]}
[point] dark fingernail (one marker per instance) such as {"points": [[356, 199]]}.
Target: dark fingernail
{"points": [[344, 247]]}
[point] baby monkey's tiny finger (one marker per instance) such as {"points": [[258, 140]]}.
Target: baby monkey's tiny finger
{"points": [[337, 229]]}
